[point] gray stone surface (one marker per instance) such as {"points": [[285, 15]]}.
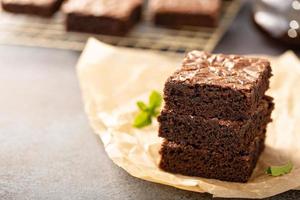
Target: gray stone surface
{"points": [[48, 150]]}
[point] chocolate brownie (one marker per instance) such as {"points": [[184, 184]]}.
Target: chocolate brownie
{"points": [[217, 86], [204, 162], [110, 17], [215, 133], [176, 13], [43, 8]]}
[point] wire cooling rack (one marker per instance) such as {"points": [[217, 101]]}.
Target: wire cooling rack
{"points": [[24, 30]]}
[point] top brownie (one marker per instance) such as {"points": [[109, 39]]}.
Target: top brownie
{"points": [[220, 86]]}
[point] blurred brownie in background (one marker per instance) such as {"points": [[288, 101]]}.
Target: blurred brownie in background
{"points": [[176, 13], [109, 17], [44, 8]]}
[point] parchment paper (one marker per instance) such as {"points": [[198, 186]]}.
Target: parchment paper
{"points": [[113, 79]]}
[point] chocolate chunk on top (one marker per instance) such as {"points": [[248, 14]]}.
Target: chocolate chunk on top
{"points": [[225, 70]]}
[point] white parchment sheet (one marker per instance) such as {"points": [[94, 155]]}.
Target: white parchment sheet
{"points": [[112, 79]]}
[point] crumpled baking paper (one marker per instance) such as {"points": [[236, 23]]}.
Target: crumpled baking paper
{"points": [[112, 79]]}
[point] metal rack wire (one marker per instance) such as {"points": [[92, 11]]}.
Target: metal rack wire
{"points": [[50, 33]]}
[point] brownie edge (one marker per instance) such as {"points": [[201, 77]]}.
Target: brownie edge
{"points": [[202, 162], [214, 132]]}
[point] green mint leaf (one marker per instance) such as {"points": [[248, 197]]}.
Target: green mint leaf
{"points": [[142, 106], [142, 119], [279, 170], [156, 113], [155, 100]]}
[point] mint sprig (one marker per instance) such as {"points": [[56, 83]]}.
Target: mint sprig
{"points": [[280, 170], [147, 112]]}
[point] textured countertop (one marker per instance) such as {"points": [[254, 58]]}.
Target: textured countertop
{"points": [[47, 148]]}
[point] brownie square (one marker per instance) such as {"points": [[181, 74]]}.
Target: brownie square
{"points": [[176, 13], [204, 162], [43, 8], [109, 17], [217, 86], [213, 133]]}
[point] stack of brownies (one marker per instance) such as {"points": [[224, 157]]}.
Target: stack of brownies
{"points": [[215, 116]]}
